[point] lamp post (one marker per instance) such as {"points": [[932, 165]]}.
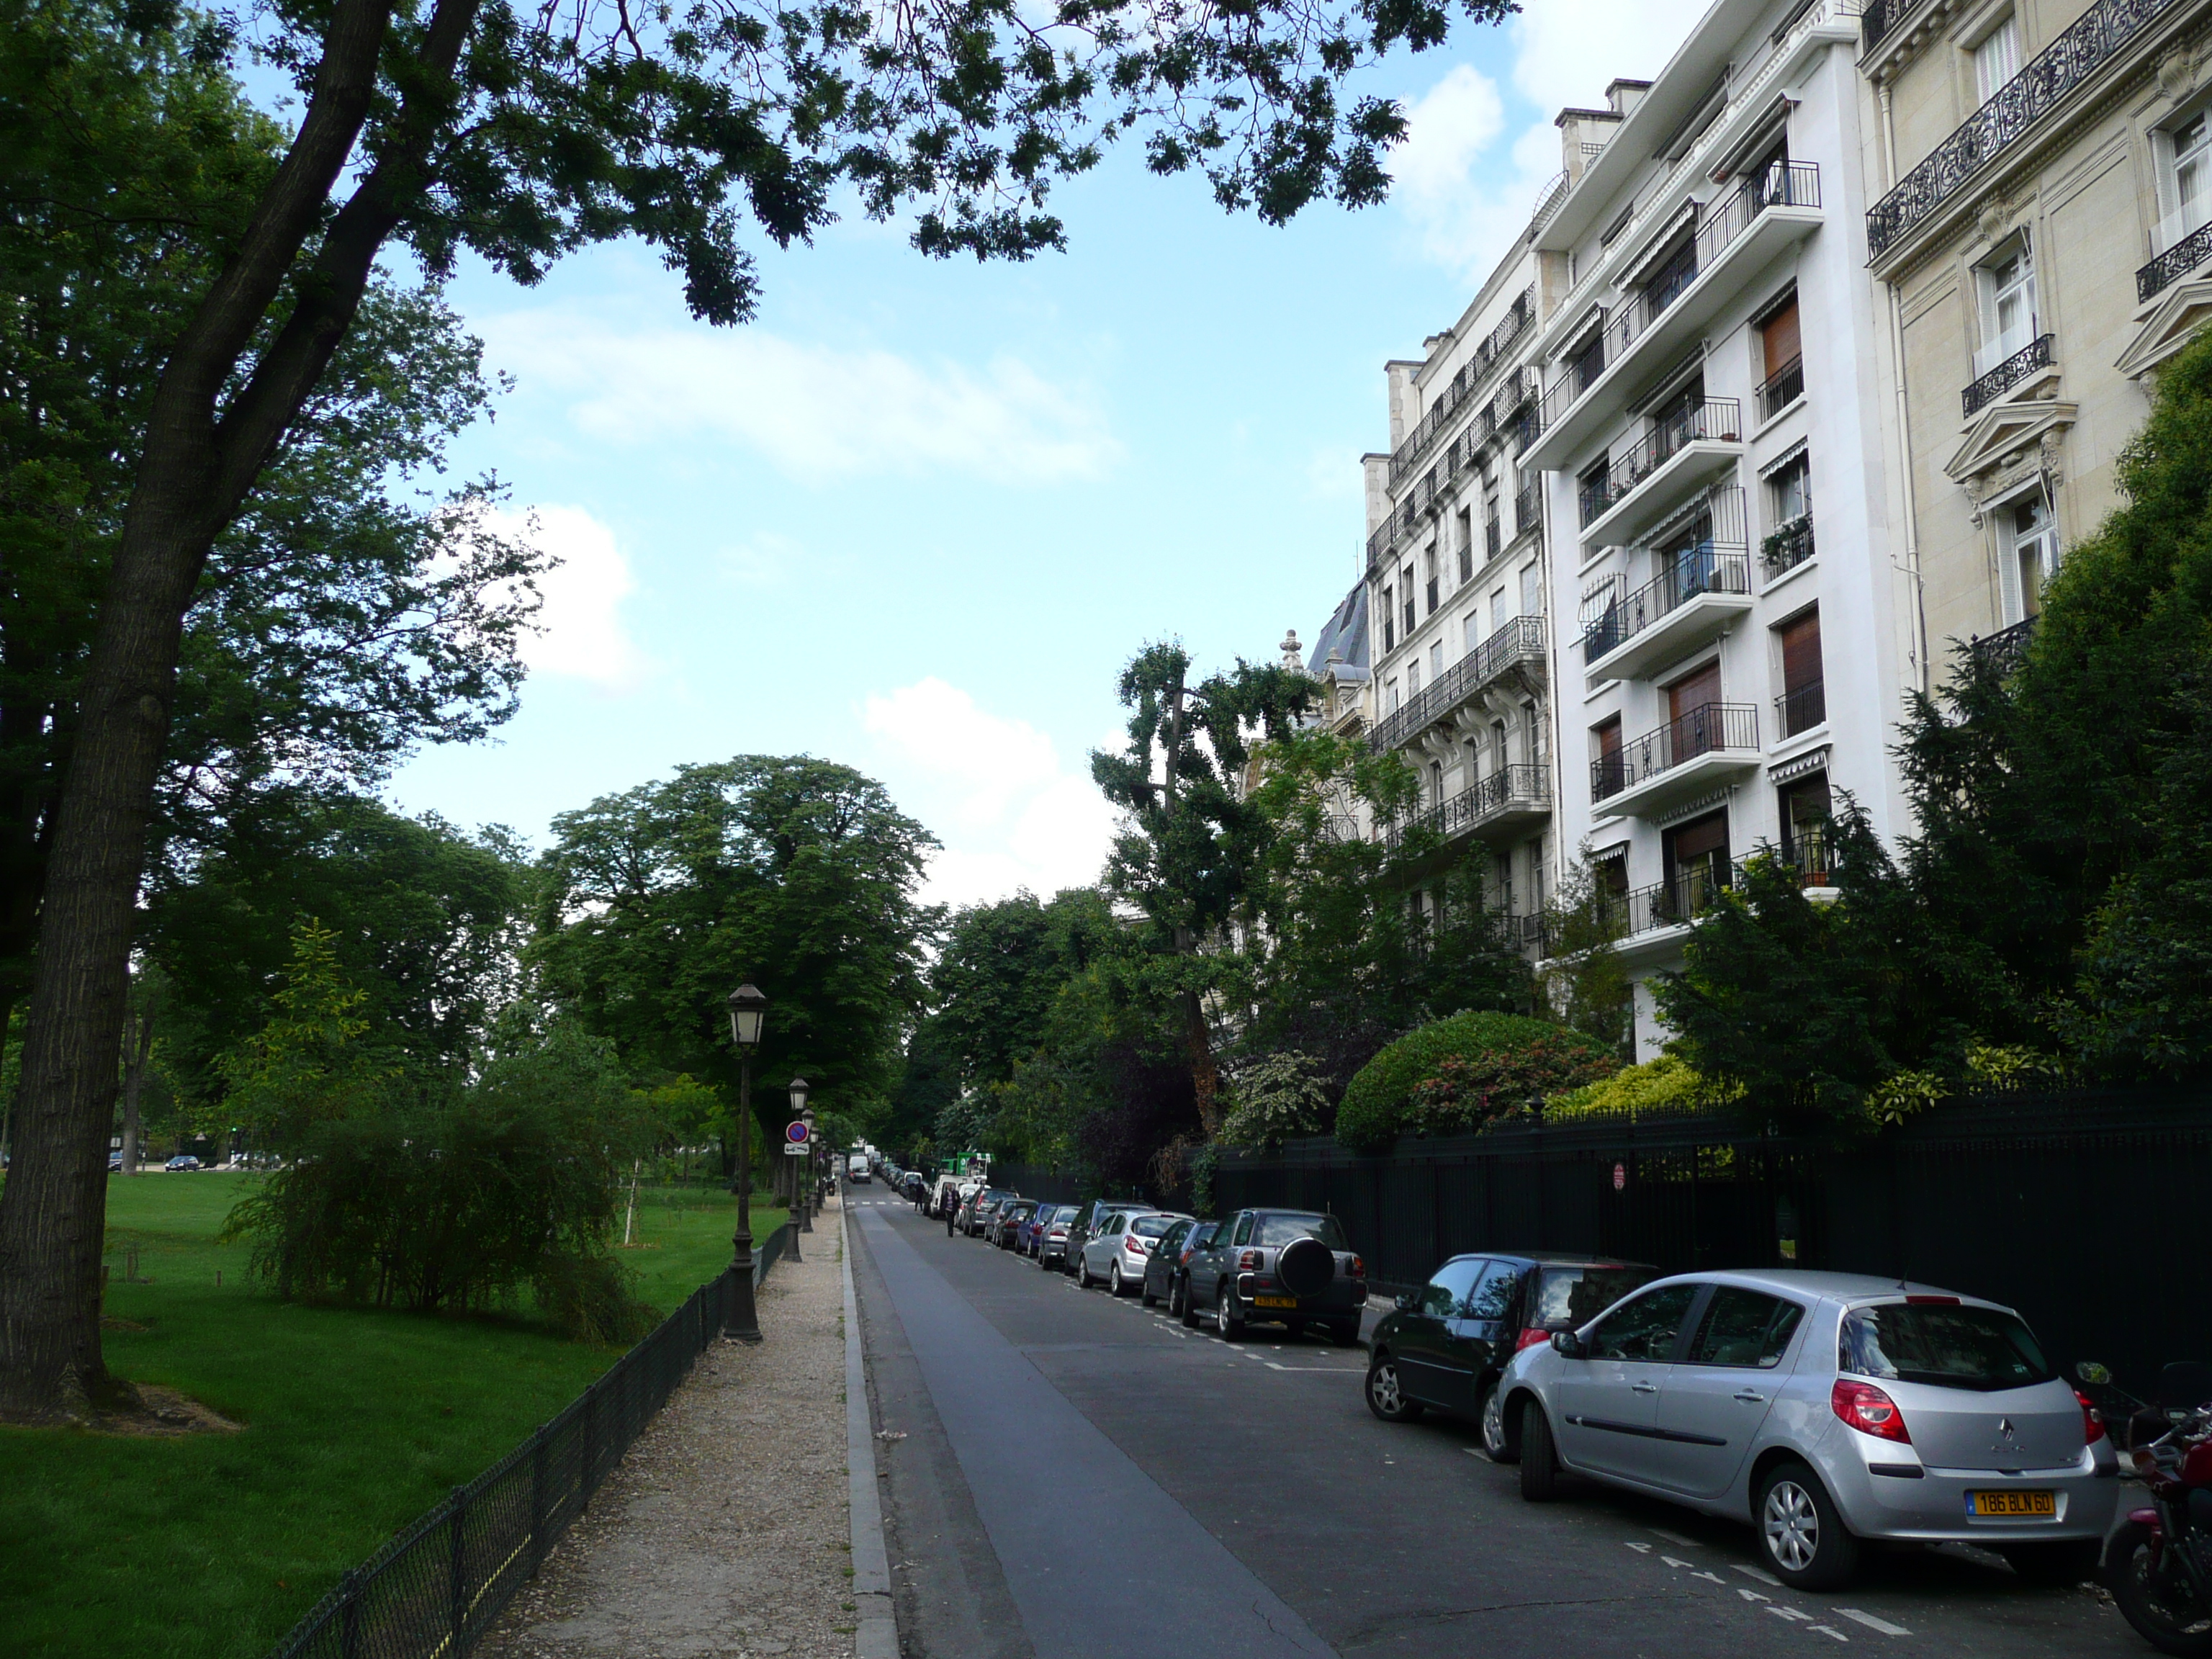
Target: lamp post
{"points": [[748, 1014], [805, 1183]]}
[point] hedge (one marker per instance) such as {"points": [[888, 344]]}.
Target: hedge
{"points": [[1373, 1111]]}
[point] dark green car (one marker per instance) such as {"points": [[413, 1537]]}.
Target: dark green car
{"points": [[1292, 1268]]}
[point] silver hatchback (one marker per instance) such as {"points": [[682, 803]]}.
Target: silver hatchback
{"points": [[1824, 1408]]}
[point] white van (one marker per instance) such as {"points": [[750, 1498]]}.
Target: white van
{"points": [[856, 1169]]}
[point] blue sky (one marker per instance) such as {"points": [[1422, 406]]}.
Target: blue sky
{"points": [[916, 516]]}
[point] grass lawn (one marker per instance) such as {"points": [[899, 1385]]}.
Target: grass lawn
{"points": [[356, 1422]]}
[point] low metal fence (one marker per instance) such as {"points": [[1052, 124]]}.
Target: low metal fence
{"points": [[434, 1589]]}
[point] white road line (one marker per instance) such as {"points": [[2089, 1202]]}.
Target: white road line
{"points": [[1830, 1630], [1336, 1370], [1790, 1613], [1712, 1577], [1881, 1625], [1676, 1561], [1752, 1596], [1641, 1549], [1760, 1573], [1673, 1537]]}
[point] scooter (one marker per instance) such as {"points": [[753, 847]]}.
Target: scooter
{"points": [[2158, 1564]]}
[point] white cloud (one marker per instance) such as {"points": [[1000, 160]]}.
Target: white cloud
{"points": [[1567, 49], [581, 634], [995, 790], [761, 560], [818, 413]]}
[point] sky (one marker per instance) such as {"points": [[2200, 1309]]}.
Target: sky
{"points": [[916, 516]]}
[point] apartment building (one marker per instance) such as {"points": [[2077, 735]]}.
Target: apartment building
{"points": [[1455, 590], [1732, 640], [2041, 235]]}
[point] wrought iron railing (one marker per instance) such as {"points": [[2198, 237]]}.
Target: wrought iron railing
{"points": [[1493, 537], [1524, 784], [1520, 640], [2076, 58], [1802, 710], [1611, 619], [2175, 263], [2002, 650], [1413, 505], [1879, 17], [1528, 508], [1781, 389], [437, 1586], [1465, 382], [1787, 545], [2038, 354], [1703, 729], [1716, 420]]}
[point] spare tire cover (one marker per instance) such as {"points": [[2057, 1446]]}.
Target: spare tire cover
{"points": [[1306, 1266]]}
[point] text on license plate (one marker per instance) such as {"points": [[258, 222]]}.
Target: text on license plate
{"points": [[1274, 1302], [2035, 1505]]}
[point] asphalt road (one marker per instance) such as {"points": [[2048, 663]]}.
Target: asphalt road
{"points": [[1067, 1476]]}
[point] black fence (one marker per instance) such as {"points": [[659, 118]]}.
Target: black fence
{"points": [[2088, 1213], [435, 1588]]}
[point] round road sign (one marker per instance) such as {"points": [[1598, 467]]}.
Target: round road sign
{"points": [[794, 1132]]}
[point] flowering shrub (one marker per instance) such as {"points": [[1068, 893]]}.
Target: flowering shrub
{"points": [[1508, 1058], [1276, 1096], [1664, 1085], [1472, 1091]]}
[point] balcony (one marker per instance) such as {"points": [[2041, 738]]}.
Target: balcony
{"points": [[1528, 507], [1709, 744], [1680, 901], [2077, 56], [1781, 389], [1697, 597], [1409, 454], [1787, 545], [1738, 233], [1513, 798], [1519, 644], [1643, 483], [1801, 709], [2177, 247], [2032, 359], [1502, 417], [2001, 652]]}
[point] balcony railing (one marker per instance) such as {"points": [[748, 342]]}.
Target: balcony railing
{"points": [[1879, 18], [1693, 887], [2002, 650], [1609, 622], [2076, 58], [1524, 782], [1493, 537], [1786, 184], [2179, 254], [1718, 419], [1782, 388], [1802, 710], [2037, 355], [1464, 383], [1702, 730], [1519, 640], [1528, 508], [1787, 545], [1503, 414]]}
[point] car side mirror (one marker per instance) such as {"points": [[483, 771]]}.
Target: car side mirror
{"points": [[1567, 1345], [1405, 1300]]}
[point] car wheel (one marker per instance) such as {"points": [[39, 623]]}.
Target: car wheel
{"points": [[1228, 1318], [2153, 1595], [1175, 1297], [1344, 1334], [1082, 1273], [2057, 1565], [1385, 1395], [1496, 1445], [1800, 1534], [1540, 1464], [1189, 1311], [1145, 1293], [1114, 1278]]}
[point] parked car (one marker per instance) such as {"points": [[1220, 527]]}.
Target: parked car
{"points": [[1448, 1344], [1167, 1269], [1005, 1226], [1085, 1222], [1052, 1237], [914, 1185], [981, 1208], [183, 1161], [1033, 1225], [1118, 1252], [1293, 1266], [1827, 1409]]}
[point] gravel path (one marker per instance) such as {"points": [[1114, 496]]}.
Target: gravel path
{"points": [[723, 1533]]}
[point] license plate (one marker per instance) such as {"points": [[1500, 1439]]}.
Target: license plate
{"points": [[2013, 1505], [1274, 1302]]}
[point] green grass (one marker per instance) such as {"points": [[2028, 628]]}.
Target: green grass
{"points": [[212, 1546]]}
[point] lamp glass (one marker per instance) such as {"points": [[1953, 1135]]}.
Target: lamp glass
{"points": [[799, 1093], [748, 1013]]}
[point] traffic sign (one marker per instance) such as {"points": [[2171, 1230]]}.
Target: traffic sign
{"points": [[1619, 1176], [794, 1152], [796, 1132]]}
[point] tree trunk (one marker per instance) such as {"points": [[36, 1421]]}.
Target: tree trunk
{"points": [[135, 1061], [1205, 1074]]}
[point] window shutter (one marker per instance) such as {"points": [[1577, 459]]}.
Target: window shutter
{"points": [[1784, 344], [1801, 654]]}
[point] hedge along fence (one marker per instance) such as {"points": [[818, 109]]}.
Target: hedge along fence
{"points": [[435, 1588]]}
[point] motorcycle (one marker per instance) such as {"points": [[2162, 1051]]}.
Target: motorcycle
{"points": [[2158, 1565]]}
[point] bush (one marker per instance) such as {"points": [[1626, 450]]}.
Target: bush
{"points": [[1474, 1091], [1664, 1085], [1374, 1108], [1276, 1096]]}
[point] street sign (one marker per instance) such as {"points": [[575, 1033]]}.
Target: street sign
{"points": [[794, 1152], [1619, 1176], [795, 1131]]}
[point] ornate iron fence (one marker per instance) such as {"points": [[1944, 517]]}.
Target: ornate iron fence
{"points": [[1524, 783], [2175, 262], [2092, 40], [2038, 354], [2002, 650], [437, 1587], [1787, 545], [1519, 641]]}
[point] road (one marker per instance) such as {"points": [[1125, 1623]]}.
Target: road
{"points": [[1068, 1476]]}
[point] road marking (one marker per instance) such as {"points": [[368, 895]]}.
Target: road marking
{"points": [[1752, 1596], [1673, 1537], [1883, 1625], [1760, 1573], [1712, 1577], [1641, 1549], [1673, 1561], [1790, 1613], [1830, 1630], [1339, 1371]]}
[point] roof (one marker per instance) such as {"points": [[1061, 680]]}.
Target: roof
{"points": [[1345, 633]]}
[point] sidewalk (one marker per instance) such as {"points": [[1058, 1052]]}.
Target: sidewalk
{"points": [[723, 1533]]}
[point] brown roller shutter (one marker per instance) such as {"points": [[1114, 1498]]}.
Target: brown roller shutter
{"points": [[1779, 333], [1801, 652]]}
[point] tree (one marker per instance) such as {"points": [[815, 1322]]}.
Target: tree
{"points": [[999, 967], [795, 874], [1187, 853]]}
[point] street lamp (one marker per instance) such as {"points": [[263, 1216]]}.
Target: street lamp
{"points": [[803, 1187], [748, 1015]]}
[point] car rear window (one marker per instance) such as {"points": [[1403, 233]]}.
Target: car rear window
{"points": [[1151, 1226], [1948, 1344], [1572, 1295], [1280, 1230]]}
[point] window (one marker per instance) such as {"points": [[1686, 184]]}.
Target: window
{"points": [[2031, 554], [1436, 783], [1744, 1328], [1608, 777], [1444, 1295], [1565, 1297], [1389, 696], [1804, 700], [1790, 488], [1677, 272], [1587, 362], [1996, 60], [1945, 1345], [1804, 810], [1645, 1329], [1697, 859], [2188, 184], [1781, 353], [1688, 700], [1494, 1296], [1432, 581], [1680, 418], [1471, 629], [1412, 679], [1536, 877], [1532, 589], [1280, 1230], [2007, 284], [1466, 538], [1498, 616], [1406, 592], [1389, 621], [1243, 1228], [1436, 662], [1591, 496]]}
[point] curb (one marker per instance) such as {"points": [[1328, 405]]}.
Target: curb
{"points": [[877, 1638]]}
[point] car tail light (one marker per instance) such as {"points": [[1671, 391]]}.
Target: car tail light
{"points": [[2092, 1426], [1869, 1410], [1531, 1337], [1247, 1261], [1358, 1268], [1931, 1301], [1133, 1245]]}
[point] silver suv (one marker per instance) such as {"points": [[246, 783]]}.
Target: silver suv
{"points": [[1824, 1408]]}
